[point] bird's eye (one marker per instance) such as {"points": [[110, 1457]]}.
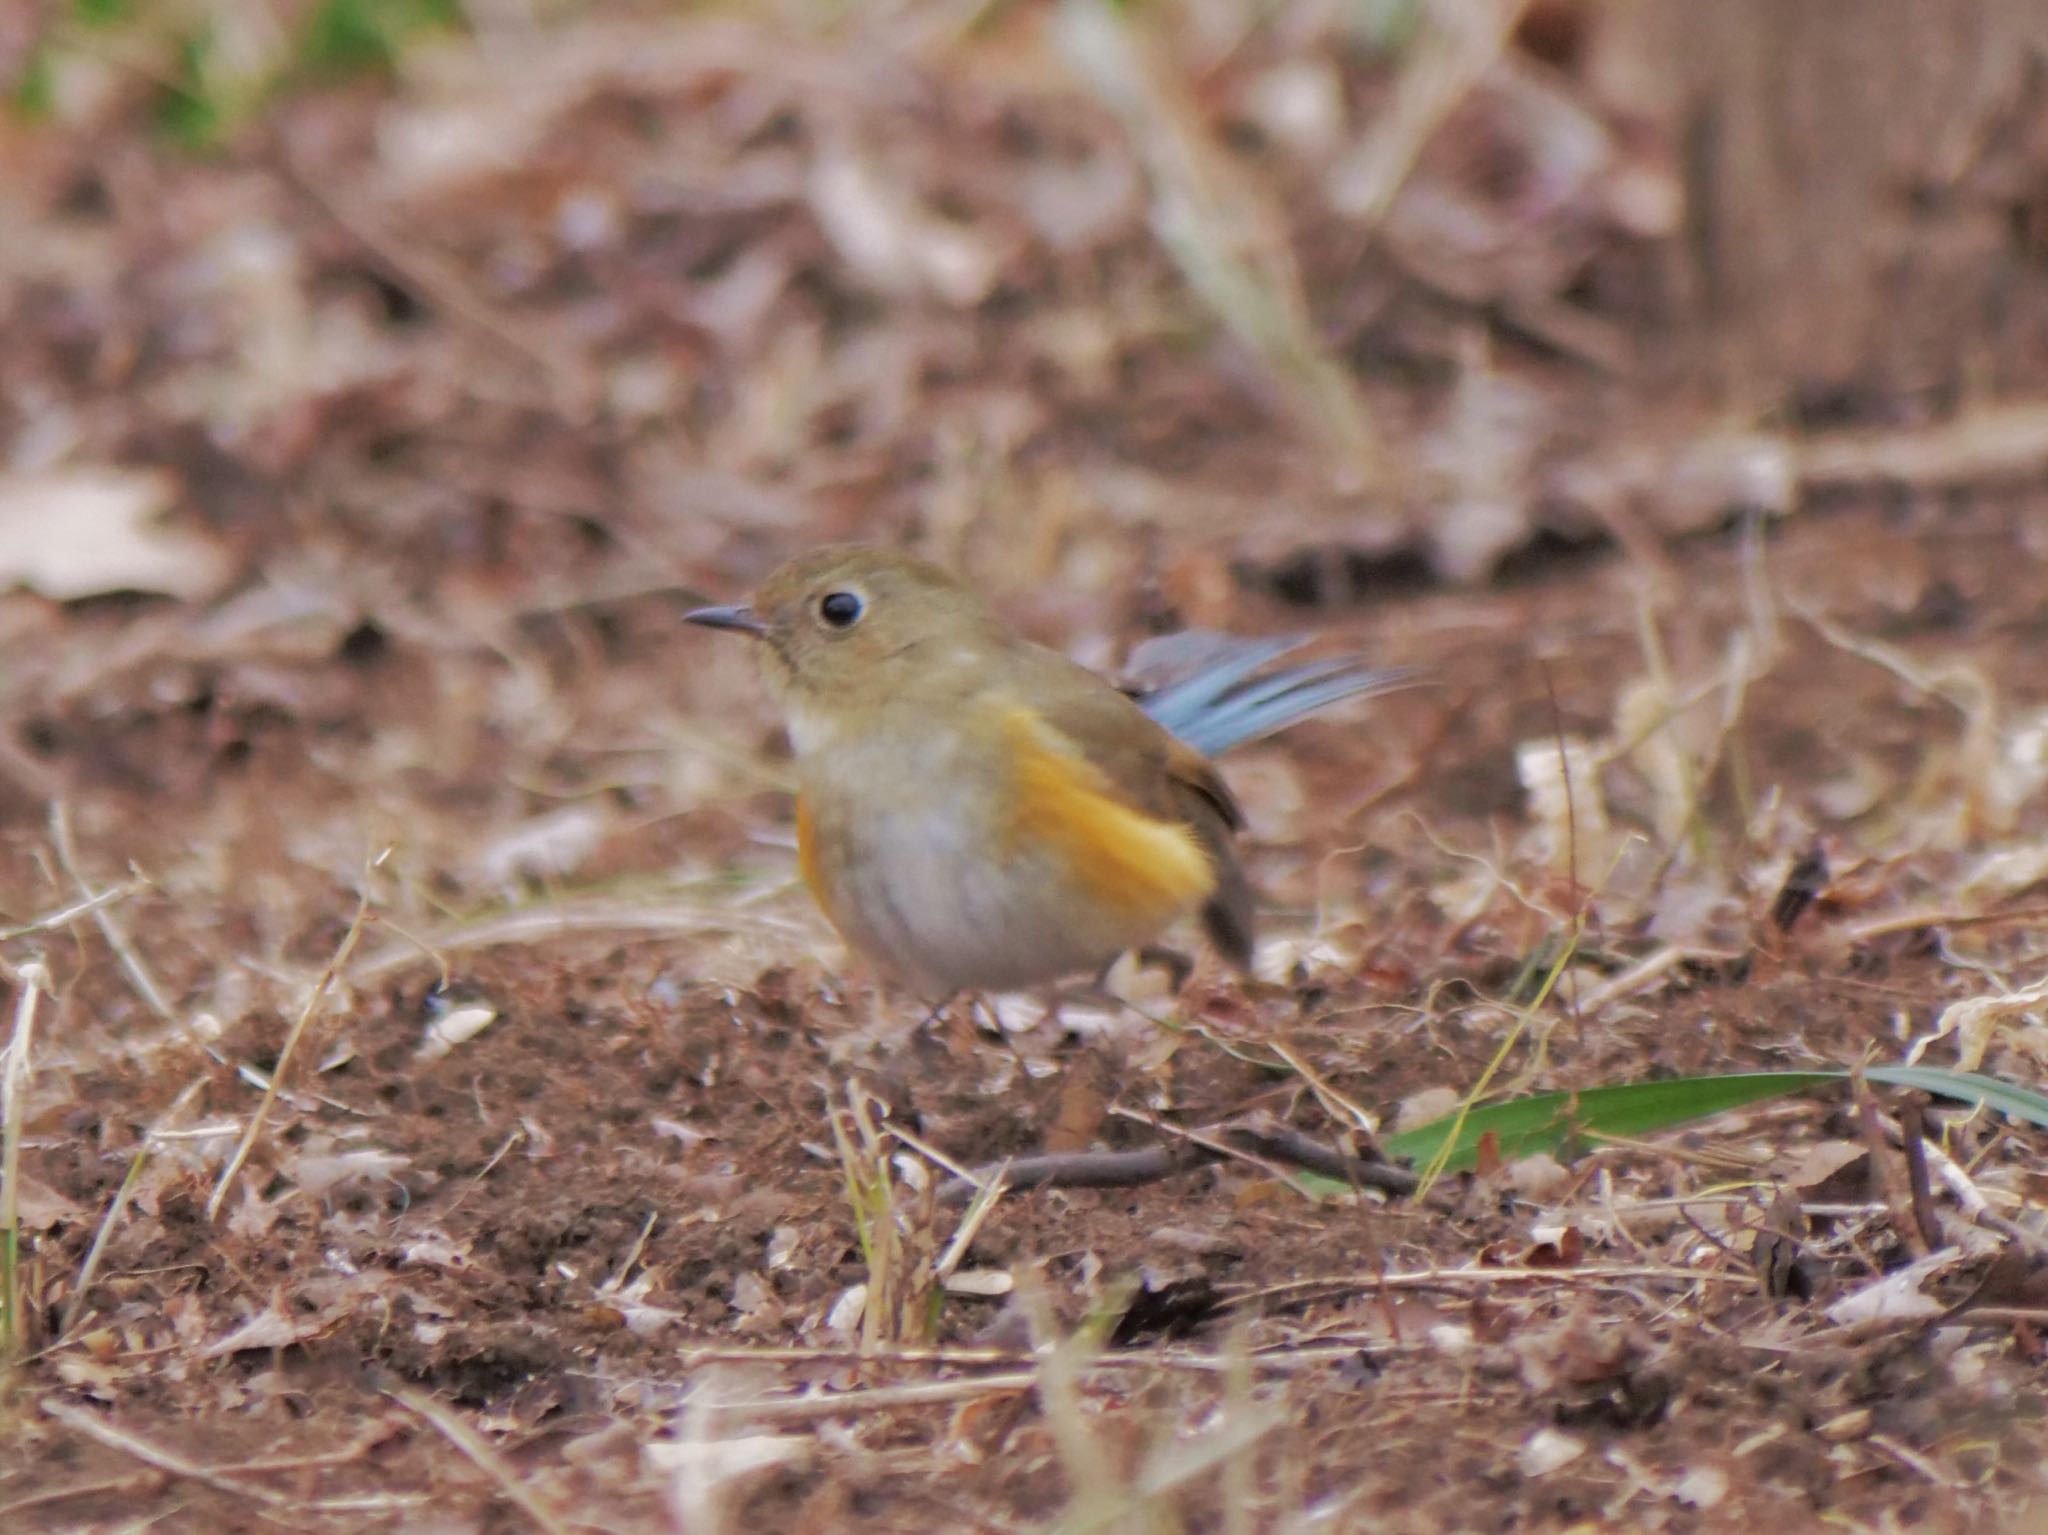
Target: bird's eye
{"points": [[841, 610]]}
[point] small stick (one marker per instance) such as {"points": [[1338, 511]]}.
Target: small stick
{"points": [[1913, 1129], [1083, 1170], [1883, 1174], [922, 1393], [1939, 916], [1213, 1143]]}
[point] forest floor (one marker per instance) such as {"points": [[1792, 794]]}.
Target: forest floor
{"points": [[359, 475]]}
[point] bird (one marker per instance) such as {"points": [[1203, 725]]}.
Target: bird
{"points": [[980, 813]]}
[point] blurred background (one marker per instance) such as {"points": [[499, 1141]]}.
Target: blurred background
{"points": [[1322, 295], [379, 379]]}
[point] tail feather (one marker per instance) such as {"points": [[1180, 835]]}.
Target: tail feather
{"points": [[1223, 704], [1180, 677]]}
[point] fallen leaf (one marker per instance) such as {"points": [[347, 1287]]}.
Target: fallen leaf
{"points": [[71, 533], [1548, 1450], [1897, 1296], [268, 1329]]}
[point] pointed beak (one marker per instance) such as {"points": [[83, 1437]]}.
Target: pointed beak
{"points": [[742, 618]]}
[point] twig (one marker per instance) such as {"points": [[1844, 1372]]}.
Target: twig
{"points": [[1897, 1202], [1913, 1130], [1939, 916], [1975, 1206], [1986, 443], [1083, 1170], [1644, 973], [878, 1398], [1335, 1104], [512, 1138], [90, 1268], [1214, 224], [1198, 1148], [1216, 1141], [618, 1280], [480, 1454]]}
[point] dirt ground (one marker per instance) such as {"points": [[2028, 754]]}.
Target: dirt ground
{"points": [[359, 472]]}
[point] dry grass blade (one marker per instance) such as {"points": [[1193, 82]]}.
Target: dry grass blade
{"points": [[1462, 41], [477, 1450], [87, 905], [117, 938], [1220, 230], [314, 997], [1104, 1499], [33, 980], [87, 1422], [112, 1486], [1061, 1365], [897, 1239], [667, 920], [116, 1208]]}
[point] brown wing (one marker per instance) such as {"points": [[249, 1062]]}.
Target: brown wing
{"points": [[1205, 802], [1155, 772]]}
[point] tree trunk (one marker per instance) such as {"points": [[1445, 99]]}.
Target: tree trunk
{"points": [[1867, 194]]}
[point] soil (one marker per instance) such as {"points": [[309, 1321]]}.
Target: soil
{"points": [[417, 743]]}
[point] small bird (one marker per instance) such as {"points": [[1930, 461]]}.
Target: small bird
{"points": [[976, 812]]}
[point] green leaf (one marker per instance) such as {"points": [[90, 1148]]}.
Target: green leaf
{"points": [[34, 93], [344, 37], [189, 108], [1564, 1122], [2006, 1097]]}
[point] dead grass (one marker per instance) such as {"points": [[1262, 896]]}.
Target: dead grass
{"points": [[561, 1171]]}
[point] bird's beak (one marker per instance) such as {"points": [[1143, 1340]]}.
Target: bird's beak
{"points": [[742, 618]]}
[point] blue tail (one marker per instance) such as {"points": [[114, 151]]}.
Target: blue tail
{"points": [[1216, 699]]}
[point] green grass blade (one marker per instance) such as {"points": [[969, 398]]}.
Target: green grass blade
{"points": [[1563, 1122], [2006, 1097], [1556, 1121]]}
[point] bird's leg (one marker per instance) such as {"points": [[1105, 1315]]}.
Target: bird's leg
{"points": [[938, 1009], [962, 1022], [1152, 956]]}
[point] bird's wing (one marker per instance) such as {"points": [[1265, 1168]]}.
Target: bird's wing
{"points": [[1151, 771]]}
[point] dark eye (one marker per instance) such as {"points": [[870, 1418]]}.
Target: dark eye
{"points": [[841, 610]]}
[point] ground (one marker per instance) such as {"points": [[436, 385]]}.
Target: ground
{"points": [[353, 746]]}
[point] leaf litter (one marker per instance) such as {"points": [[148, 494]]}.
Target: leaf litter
{"points": [[391, 454]]}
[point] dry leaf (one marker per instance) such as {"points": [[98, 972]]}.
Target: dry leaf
{"points": [[71, 533]]}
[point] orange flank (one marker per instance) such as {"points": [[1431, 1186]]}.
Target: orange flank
{"points": [[1147, 870], [807, 854]]}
